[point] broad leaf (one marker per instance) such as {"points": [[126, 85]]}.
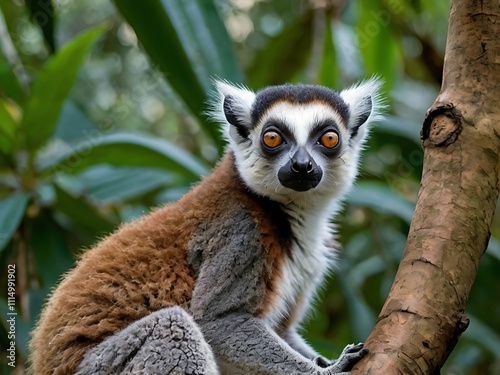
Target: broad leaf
{"points": [[52, 256], [376, 41], [81, 213], [112, 185], [188, 42], [483, 335], [161, 41], [51, 87], [328, 67], [205, 39], [7, 129], [124, 149], [494, 248], [73, 123], [284, 55], [382, 199], [401, 127], [12, 210], [42, 12], [9, 84], [361, 316]]}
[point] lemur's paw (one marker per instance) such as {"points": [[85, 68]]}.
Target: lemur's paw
{"points": [[351, 354]]}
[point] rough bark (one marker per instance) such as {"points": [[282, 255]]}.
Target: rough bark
{"points": [[423, 316]]}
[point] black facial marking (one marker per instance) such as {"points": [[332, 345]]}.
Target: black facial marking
{"points": [[367, 105], [297, 94], [233, 119], [302, 162], [281, 129], [300, 173], [321, 128]]}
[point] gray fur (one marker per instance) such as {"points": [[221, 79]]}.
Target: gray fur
{"points": [[244, 342], [245, 345], [230, 282], [165, 342], [298, 344], [230, 325], [230, 277]]}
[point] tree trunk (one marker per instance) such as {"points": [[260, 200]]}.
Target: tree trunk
{"points": [[423, 316]]}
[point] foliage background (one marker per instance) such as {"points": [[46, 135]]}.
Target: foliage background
{"points": [[96, 128]]}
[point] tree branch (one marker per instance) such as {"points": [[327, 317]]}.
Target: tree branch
{"points": [[423, 317]]}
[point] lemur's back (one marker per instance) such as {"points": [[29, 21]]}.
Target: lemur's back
{"points": [[109, 288]]}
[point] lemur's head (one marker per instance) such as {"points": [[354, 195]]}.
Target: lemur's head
{"points": [[294, 141]]}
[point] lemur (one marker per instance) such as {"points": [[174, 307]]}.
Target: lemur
{"points": [[219, 282]]}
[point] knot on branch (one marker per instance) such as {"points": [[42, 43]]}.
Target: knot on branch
{"points": [[442, 125], [462, 322]]}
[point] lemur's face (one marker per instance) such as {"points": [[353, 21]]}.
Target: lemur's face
{"points": [[290, 141], [298, 143]]}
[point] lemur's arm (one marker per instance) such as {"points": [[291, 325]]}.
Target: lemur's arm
{"points": [[245, 342], [242, 341], [228, 301], [297, 343]]}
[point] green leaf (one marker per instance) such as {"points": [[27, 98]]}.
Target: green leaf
{"points": [[483, 334], [400, 126], [124, 149], [52, 256], [494, 248], [110, 185], [188, 42], [9, 84], [51, 87], [73, 123], [382, 199], [205, 39], [361, 316], [8, 128], [159, 38], [12, 210], [42, 12], [284, 55], [81, 213], [328, 67], [359, 272], [376, 41]]}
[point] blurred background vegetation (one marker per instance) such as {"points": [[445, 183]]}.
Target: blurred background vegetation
{"points": [[102, 117]]}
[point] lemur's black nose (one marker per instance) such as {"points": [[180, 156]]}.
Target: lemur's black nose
{"points": [[302, 162]]}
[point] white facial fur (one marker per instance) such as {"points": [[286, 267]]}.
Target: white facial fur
{"points": [[255, 167], [308, 211]]}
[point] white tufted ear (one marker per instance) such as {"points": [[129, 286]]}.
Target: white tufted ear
{"points": [[365, 106], [232, 107]]}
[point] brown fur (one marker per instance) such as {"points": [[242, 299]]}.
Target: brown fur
{"points": [[142, 268]]}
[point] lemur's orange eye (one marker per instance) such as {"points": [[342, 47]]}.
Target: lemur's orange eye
{"points": [[329, 139], [272, 139]]}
